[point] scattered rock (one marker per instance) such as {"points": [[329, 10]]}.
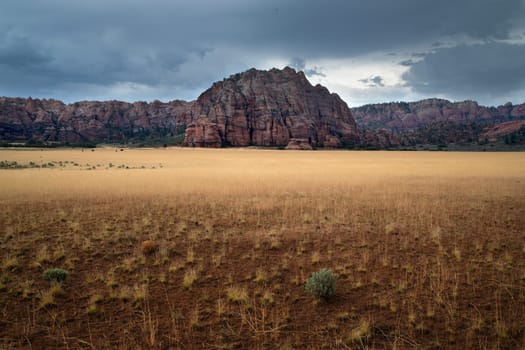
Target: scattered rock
{"points": [[299, 144]]}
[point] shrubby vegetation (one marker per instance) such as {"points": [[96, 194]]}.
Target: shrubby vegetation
{"points": [[55, 275], [425, 247], [321, 284]]}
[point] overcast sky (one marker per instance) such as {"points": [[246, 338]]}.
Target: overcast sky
{"points": [[366, 51]]}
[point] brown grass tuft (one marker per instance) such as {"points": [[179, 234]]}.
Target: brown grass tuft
{"points": [[149, 247], [428, 246]]}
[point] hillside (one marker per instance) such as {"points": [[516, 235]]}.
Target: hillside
{"points": [[270, 108], [275, 108], [439, 122]]}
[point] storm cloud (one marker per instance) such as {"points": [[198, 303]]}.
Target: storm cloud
{"points": [[169, 49], [489, 70], [373, 81]]}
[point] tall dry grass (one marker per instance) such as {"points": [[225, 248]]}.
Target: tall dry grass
{"points": [[429, 247]]}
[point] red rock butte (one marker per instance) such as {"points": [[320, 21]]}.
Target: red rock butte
{"points": [[270, 108], [274, 108]]}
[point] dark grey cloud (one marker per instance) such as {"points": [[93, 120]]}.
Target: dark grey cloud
{"points": [[18, 51], [352, 27], [300, 64], [407, 63], [482, 71], [176, 47], [297, 63], [375, 81], [313, 72]]}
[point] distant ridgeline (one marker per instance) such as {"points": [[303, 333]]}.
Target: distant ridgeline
{"points": [[50, 122], [275, 108], [442, 123]]}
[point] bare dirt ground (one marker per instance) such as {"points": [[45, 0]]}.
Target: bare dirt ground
{"points": [[429, 249]]}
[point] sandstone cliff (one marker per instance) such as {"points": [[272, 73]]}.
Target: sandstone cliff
{"points": [[275, 108], [112, 121], [434, 121], [270, 108], [260, 108], [512, 132], [403, 117]]}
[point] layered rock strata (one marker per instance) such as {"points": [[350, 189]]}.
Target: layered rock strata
{"points": [[270, 108]]}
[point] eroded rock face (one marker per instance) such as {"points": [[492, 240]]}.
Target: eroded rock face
{"points": [[503, 129], [434, 121], [269, 108], [261, 108], [299, 144], [275, 108], [405, 117], [112, 121]]}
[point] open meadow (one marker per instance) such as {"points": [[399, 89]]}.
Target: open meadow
{"points": [[429, 248]]}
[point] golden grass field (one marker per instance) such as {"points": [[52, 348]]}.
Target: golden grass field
{"points": [[429, 248]]}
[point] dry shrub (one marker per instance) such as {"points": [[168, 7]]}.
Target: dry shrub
{"points": [[149, 247]]}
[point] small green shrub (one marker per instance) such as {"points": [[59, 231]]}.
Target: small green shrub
{"points": [[321, 284], [56, 274]]}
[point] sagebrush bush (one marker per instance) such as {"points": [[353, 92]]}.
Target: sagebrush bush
{"points": [[56, 274], [321, 284]]}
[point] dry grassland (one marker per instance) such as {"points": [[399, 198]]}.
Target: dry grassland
{"points": [[429, 249]]}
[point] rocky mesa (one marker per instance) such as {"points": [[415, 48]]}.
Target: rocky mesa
{"points": [[270, 108], [88, 121], [274, 108], [410, 116], [436, 121]]}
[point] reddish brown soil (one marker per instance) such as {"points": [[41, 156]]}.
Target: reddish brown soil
{"points": [[403, 277]]}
